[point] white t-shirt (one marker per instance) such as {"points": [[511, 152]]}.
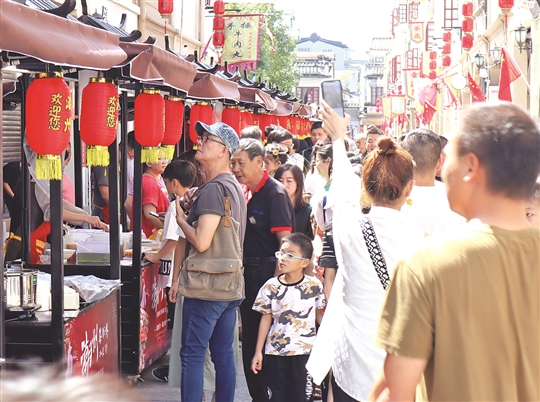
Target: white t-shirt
{"points": [[293, 309], [171, 231], [314, 183], [430, 210]]}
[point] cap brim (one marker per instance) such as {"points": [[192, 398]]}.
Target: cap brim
{"points": [[200, 128]]}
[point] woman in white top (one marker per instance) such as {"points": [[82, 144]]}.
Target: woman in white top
{"points": [[345, 341]]}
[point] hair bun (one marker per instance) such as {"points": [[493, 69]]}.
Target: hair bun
{"points": [[386, 146]]}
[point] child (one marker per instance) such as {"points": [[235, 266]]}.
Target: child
{"points": [[290, 304], [274, 156]]}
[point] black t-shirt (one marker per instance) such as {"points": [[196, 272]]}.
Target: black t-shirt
{"points": [[268, 211], [302, 217]]}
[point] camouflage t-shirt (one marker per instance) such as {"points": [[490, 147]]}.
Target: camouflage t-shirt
{"points": [[293, 309]]}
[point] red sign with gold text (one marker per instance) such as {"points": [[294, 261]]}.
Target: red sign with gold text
{"points": [[91, 339]]}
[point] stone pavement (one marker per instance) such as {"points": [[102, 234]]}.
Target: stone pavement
{"points": [[152, 390]]}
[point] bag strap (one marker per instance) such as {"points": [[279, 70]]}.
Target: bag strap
{"points": [[227, 220], [374, 250]]}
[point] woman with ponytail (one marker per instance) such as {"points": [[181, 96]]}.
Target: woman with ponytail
{"points": [[367, 247]]}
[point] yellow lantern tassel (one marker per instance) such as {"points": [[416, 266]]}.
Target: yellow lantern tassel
{"points": [[149, 155], [166, 152], [49, 167], [97, 155]]}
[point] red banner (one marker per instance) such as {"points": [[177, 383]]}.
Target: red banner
{"points": [[91, 339], [155, 337]]}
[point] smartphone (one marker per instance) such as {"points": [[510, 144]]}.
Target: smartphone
{"points": [[155, 214], [332, 93]]}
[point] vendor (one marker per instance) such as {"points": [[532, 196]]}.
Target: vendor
{"points": [[154, 196]]}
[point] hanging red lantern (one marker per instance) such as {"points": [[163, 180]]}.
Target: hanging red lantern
{"points": [[201, 111], [99, 119], [219, 23], [467, 25], [506, 5], [149, 123], [219, 7], [447, 37], [165, 7], [432, 55], [433, 65], [467, 9], [432, 75], [446, 61], [218, 39], [245, 119], [231, 117], [447, 48], [174, 124], [467, 41], [48, 123]]}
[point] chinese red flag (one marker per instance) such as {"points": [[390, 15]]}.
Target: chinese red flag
{"points": [[509, 73], [476, 92]]}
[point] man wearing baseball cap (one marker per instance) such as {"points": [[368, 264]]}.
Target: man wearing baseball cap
{"points": [[209, 322]]}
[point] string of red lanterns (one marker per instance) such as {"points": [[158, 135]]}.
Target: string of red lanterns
{"points": [[447, 49], [218, 39], [149, 123], [48, 123], [99, 119], [467, 26], [432, 65]]}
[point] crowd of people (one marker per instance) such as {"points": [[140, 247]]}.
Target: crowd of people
{"points": [[367, 273]]}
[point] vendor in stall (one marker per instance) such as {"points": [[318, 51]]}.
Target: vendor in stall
{"points": [[154, 197]]}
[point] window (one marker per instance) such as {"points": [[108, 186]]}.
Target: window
{"points": [[303, 49], [379, 59], [402, 13], [327, 50], [412, 58], [395, 68], [430, 34], [376, 93], [450, 14], [413, 11]]}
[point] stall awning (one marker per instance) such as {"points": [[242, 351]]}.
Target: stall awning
{"points": [[153, 65], [283, 108], [210, 86], [257, 97], [56, 40]]}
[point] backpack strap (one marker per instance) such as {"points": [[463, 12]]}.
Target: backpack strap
{"points": [[374, 250], [227, 221]]}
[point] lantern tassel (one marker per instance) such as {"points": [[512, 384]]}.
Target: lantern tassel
{"points": [[49, 167], [149, 155], [97, 155], [166, 152]]}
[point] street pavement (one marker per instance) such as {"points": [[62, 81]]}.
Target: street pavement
{"points": [[152, 390]]}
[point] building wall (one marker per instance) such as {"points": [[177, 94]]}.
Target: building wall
{"points": [[321, 47]]}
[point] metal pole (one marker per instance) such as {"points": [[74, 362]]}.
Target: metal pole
{"points": [[24, 80], [2, 312], [114, 223], [57, 272], [77, 154], [123, 169]]}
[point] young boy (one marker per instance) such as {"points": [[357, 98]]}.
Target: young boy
{"points": [[290, 304], [178, 176]]}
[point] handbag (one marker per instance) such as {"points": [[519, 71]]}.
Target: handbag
{"points": [[216, 274], [374, 250]]}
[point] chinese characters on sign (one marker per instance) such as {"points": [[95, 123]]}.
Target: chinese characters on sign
{"points": [[241, 46]]}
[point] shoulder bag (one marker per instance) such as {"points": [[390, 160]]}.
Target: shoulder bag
{"points": [[217, 273], [374, 250]]}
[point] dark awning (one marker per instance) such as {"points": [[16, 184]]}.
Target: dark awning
{"points": [[56, 40], [210, 86], [283, 108], [258, 97], [153, 65]]}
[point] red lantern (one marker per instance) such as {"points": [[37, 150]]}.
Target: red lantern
{"points": [[202, 112], [218, 39], [245, 119], [467, 25], [447, 37], [432, 65], [447, 48], [467, 9], [219, 7], [467, 41], [432, 75], [149, 123], [48, 123], [506, 5], [432, 55], [231, 117], [219, 23], [446, 61], [174, 123], [99, 119], [165, 7]]}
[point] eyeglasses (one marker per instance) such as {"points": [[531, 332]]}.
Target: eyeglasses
{"points": [[287, 256], [205, 138]]}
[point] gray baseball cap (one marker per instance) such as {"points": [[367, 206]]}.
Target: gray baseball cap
{"points": [[225, 132]]}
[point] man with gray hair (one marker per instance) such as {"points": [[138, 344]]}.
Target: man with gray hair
{"points": [[427, 206], [270, 217]]}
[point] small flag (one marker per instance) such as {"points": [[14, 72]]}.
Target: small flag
{"points": [[509, 73], [476, 92]]}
